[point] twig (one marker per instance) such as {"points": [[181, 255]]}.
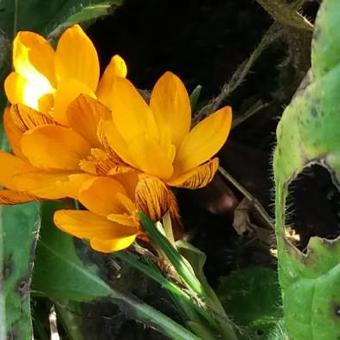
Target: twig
{"points": [[257, 205], [259, 105], [286, 14], [238, 77]]}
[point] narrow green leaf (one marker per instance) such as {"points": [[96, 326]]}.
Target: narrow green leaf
{"points": [[19, 230], [86, 14], [195, 96], [61, 274], [44, 16], [181, 265]]}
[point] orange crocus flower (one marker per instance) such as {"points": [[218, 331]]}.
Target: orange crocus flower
{"points": [[157, 139], [48, 80], [110, 222]]}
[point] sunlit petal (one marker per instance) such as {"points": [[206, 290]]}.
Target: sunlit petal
{"points": [[21, 90], [170, 105], [116, 68], [204, 140], [33, 57], [68, 91], [76, 58], [152, 157], [131, 115]]}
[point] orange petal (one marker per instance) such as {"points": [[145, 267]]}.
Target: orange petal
{"points": [[204, 140], [112, 245], [15, 197], [152, 197], [50, 185], [83, 115], [116, 68], [127, 220], [27, 118], [103, 163], [142, 152], [13, 132], [54, 147], [67, 92], [110, 138], [129, 180], [33, 56], [18, 119], [131, 115], [152, 157], [11, 166], [99, 195], [104, 235], [76, 58], [196, 178], [26, 91], [170, 105]]}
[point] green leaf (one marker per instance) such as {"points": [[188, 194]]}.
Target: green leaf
{"points": [[45, 16], [252, 297], [61, 274], [19, 230], [195, 96], [181, 265], [308, 134]]}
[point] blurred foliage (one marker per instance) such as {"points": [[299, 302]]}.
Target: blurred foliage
{"points": [[251, 297]]}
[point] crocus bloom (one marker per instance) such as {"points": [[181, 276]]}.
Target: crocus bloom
{"points": [[47, 159], [47, 80], [157, 139], [111, 223]]}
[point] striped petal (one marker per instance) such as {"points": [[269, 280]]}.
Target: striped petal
{"points": [[83, 115], [196, 178], [9, 197]]}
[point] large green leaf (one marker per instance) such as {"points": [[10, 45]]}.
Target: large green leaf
{"points": [[252, 297], [45, 16], [19, 230], [61, 274], [308, 133]]}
